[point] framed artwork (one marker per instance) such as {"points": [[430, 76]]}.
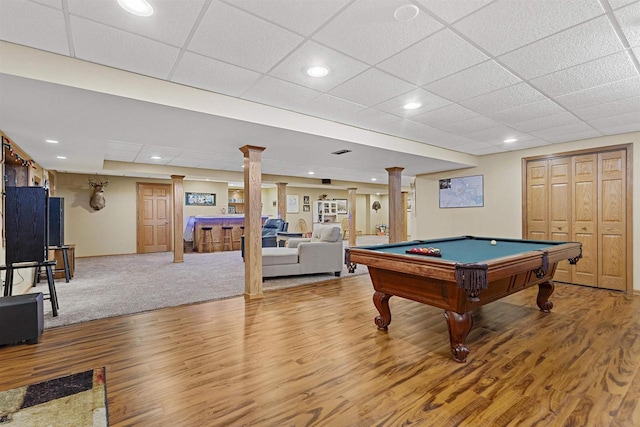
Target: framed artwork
{"points": [[293, 202], [305, 200], [341, 206], [464, 192], [200, 199], [306, 208]]}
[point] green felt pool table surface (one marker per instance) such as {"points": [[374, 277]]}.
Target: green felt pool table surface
{"points": [[467, 249]]}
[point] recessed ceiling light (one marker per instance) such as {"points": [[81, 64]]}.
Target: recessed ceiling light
{"points": [[412, 105], [510, 140], [137, 7], [377, 194], [61, 157], [311, 173], [373, 179], [318, 71], [51, 141], [156, 158], [406, 13]]}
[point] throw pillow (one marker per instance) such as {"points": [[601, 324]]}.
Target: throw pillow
{"points": [[330, 234]]}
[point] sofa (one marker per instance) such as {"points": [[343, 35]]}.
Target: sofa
{"points": [[321, 253], [270, 230]]}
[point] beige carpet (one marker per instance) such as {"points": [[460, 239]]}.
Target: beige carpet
{"points": [[115, 285]]}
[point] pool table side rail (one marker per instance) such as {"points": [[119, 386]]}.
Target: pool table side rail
{"points": [[438, 268]]}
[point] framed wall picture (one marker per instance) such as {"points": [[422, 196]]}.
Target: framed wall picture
{"points": [[305, 200], [306, 208], [464, 192], [341, 206], [293, 203], [200, 199]]}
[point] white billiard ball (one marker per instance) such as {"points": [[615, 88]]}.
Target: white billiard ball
{"points": [[493, 243]]}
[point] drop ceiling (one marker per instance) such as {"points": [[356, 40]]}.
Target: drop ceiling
{"points": [[540, 71]]}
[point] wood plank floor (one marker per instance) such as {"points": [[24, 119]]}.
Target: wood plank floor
{"points": [[312, 355]]}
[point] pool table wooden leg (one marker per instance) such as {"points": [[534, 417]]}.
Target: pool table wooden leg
{"points": [[545, 289], [459, 327], [381, 301]]}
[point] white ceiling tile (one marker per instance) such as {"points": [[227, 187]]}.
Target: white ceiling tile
{"points": [[573, 136], [122, 146], [521, 145], [167, 153], [619, 3], [294, 68], [33, 25], [302, 16], [476, 147], [120, 156], [170, 23], [234, 36], [487, 151], [452, 10], [206, 73], [474, 81], [449, 114], [428, 100], [577, 45], [629, 122], [439, 55], [528, 112], [368, 31], [185, 163], [498, 134], [470, 125], [506, 25], [622, 106], [571, 129], [104, 45], [600, 95], [330, 107], [279, 93], [590, 74], [503, 99], [51, 3], [370, 118], [551, 121], [629, 22], [371, 87]]}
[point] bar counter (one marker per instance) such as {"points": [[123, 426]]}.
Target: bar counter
{"points": [[194, 230]]}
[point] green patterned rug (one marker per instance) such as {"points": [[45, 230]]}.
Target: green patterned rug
{"points": [[75, 400]]}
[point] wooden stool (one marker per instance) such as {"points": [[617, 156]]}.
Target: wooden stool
{"points": [[207, 239], [65, 262], [227, 233]]}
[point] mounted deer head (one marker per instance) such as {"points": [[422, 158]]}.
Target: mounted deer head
{"points": [[98, 201]]}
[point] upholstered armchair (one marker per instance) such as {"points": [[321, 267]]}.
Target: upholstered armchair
{"points": [[270, 230]]}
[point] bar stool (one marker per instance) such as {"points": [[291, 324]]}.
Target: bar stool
{"points": [[207, 239], [65, 263], [227, 233]]}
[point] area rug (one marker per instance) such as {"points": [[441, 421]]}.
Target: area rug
{"points": [[75, 400]]}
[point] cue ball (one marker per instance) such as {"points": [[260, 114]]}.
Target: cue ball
{"points": [[493, 243]]}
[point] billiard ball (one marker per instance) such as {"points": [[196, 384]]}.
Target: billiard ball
{"points": [[493, 243]]}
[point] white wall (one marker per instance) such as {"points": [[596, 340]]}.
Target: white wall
{"points": [[501, 215]]}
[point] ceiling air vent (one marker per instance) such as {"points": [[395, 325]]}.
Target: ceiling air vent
{"points": [[337, 153]]}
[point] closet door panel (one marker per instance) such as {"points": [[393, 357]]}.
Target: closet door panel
{"points": [[612, 220], [584, 208], [537, 200], [560, 209]]}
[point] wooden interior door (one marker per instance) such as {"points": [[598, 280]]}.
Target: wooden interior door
{"points": [[537, 200], [612, 234], [585, 217], [154, 218], [560, 209]]}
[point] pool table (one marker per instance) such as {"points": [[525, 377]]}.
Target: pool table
{"points": [[470, 272]]}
